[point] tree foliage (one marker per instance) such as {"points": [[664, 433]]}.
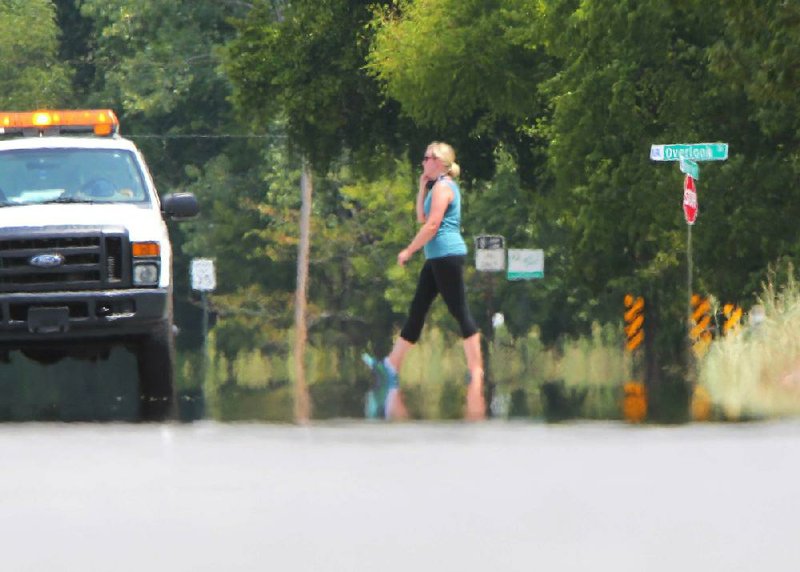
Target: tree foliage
{"points": [[303, 62], [33, 77], [552, 106], [446, 60]]}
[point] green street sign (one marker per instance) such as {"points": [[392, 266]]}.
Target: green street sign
{"points": [[693, 151], [691, 168]]}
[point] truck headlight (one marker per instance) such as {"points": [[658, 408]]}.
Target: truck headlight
{"points": [[145, 274]]}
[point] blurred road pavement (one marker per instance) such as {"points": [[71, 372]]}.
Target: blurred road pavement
{"points": [[356, 496]]}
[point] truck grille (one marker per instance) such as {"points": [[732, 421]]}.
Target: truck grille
{"points": [[44, 260]]}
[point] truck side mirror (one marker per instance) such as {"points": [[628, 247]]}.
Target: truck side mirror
{"points": [[178, 206]]}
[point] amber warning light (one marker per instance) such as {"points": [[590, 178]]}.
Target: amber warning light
{"points": [[50, 122], [145, 249]]}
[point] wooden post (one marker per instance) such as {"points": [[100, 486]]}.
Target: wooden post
{"points": [[302, 401]]}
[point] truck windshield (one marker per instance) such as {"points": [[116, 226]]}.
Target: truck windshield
{"points": [[31, 176]]}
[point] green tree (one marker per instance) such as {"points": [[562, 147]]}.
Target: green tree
{"points": [[755, 194], [446, 60], [157, 63], [33, 77], [303, 62], [467, 72]]}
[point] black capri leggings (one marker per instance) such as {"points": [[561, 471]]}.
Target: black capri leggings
{"points": [[443, 276]]}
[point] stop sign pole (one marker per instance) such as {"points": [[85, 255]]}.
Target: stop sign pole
{"points": [[687, 156], [690, 208]]}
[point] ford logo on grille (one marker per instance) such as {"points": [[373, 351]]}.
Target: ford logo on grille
{"points": [[46, 260]]}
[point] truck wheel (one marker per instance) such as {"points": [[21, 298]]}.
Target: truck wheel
{"points": [[155, 356]]}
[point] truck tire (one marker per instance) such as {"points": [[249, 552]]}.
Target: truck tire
{"points": [[155, 356]]}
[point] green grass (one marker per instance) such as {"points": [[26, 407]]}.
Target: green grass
{"points": [[433, 377]]}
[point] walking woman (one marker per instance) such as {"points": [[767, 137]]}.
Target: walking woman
{"points": [[438, 209]]}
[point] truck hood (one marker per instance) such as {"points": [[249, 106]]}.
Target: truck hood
{"points": [[142, 222]]}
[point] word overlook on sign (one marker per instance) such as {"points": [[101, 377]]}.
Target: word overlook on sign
{"points": [[694, 151]]}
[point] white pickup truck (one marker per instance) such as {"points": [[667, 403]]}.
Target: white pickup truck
{"points": [[85, 257]]}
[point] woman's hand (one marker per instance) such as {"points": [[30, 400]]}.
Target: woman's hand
{"points": [[423, 181], [403, 257]]}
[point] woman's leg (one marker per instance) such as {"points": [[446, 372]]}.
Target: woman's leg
{"points": [[423, 298], [449, 273], [424, 295], [398, 353], [426, 292], [476, 403]]}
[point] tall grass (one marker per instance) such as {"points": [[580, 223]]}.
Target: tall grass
{"points": [[756, 371], [255, 385], [593, 367]]}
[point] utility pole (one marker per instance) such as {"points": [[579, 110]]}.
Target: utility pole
{"points": [[302, 400]]}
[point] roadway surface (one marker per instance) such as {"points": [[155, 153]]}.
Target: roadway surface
{"points": [[354, 496]]}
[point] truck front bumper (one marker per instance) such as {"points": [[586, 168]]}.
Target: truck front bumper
{"points": [[75, 316]]}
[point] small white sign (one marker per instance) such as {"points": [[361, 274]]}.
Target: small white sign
{"points": [[524, 264], [490, 260], [204, 277], [490, 253], [498, 320]]}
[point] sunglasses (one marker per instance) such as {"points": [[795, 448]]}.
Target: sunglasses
{"points": [[429, 157]]}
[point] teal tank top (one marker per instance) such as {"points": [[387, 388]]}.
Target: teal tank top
{"points": [[448, 240]]}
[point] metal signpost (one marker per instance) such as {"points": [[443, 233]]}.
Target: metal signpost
{"points": [[687, 155], [204, 280], [490, 256]]}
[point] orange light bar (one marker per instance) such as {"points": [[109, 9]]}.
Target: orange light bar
{"points": [[101, 121], [145, 249]]}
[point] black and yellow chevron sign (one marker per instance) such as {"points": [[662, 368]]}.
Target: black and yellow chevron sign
{"points": [[634, 321], [700, 334], [733, 316]]}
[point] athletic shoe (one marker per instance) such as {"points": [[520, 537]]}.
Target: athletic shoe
{"points": [[375, 399], [372, 408], [391, 374]]}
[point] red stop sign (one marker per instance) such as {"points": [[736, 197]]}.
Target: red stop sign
{"points": [[689, 200]]}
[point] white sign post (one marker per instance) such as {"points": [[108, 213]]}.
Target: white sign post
{"points": [[204, 280], [687, 154], [525, 264]]}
